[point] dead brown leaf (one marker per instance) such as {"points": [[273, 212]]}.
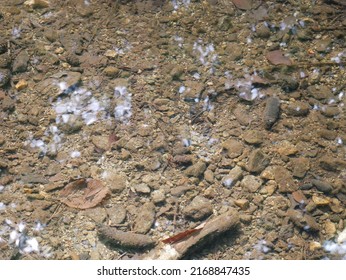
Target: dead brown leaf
{"points": [[83, 193], [242, 4], [277, 58]]}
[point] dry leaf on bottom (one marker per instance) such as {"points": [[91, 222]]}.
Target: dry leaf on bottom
{"points": [[83, 193]]}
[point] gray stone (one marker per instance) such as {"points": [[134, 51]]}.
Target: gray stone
{"points": [[271, 112], [20, 63], [5, 76], [322, 186], [199, 208]]}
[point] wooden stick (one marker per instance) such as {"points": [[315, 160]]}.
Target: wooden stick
{"points": [[211, 230]]}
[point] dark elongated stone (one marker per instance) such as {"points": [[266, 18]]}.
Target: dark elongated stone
{"points": [[271, 112]]}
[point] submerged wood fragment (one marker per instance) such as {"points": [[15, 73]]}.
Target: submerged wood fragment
{"points": [[211, 230]]}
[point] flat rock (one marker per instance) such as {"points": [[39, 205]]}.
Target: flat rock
{"points": [[320, 92], [199, 208], [178, 191], [303, 220], [253, 137], [300, 166], [322, 185], [330, 111], [242, 115], [117, 214], [332, 164], [327, 134], [5, 76], [251, 183], [233, 148], [258, 161], [20, 63], [97, 214], [233, 177], [298, 109], [286, 148], [145, 218], [158, 196], [209, 176], [101, 142], [196, 170], [115, 180], [284, 180]]}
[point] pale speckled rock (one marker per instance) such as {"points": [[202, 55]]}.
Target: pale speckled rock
{"points": [[97, 214], [233, 148], [116, 214], [199, 208], [158, 196], [232, 177], [115, 180], [145, 218], [101, 142], [20, 63], [330, 228], [242, 203], [286, 148], [251, 183], [142, 188]]}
